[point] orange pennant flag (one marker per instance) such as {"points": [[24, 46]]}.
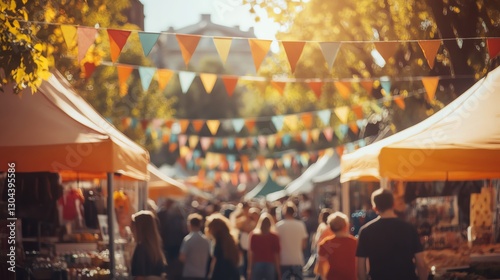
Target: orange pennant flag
{"points": [[259, 49], [86, 37], [368, 86], [344, 88], [400, 102], [208, 81], [69, 35], [184, 125], [213, 126], [197, 124], [280, 86], [493, 45], [386, 49], [250, 124], [165, 138], [316, 88], [164, 76], [123, 74], [117, 39], [430, 49], [229, 83], [430, 85], [340, 150], [307, 120], [358, 111], [188, 44], [293, 50], [172, 147], [240, 143], [354, 127], [223, 45], [234, 179]]}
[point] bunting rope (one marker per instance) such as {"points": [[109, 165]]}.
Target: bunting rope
{"points": [[245, 38]]}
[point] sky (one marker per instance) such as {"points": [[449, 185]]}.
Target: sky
{"points": [[161, 14]]}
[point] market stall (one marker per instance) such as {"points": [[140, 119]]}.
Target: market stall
{"points": [[51, 131], [460, 142]]}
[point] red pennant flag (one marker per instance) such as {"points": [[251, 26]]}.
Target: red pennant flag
{"points": [[316, 88], [493, 47], [430, 49], [229, 83], [117, 39], [89, 68], [368, 86]]}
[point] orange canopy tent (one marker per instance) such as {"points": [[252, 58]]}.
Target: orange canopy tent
{"points": [[52, 130], [161, 185], [460, 142], [55, 130], [463, 143]]}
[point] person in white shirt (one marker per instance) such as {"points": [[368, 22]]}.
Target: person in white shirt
{"points": [[293, 239]]}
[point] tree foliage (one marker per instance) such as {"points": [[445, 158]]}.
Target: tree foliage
{"points": [[358, 24], [23, 56]]}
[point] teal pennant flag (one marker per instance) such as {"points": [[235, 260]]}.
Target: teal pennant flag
{"points": [[238, 124], [148, 40]]}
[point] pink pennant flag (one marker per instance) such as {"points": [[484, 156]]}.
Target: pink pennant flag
{"points": [[86, 37]]}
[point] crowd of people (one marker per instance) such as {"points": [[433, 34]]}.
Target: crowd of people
{"points": [[252, 241]]}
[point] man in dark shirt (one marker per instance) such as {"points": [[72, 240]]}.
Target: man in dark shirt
{"points": [[391, 245]]}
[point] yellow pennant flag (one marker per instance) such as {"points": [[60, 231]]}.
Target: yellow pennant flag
{"points": [[315, 135], [223, 45], [193, 141], [69, 35], [213, 126], [208, 81], [342, 113]]}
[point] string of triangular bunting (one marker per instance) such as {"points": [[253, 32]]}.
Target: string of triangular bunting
{"points": [[85, 37]]}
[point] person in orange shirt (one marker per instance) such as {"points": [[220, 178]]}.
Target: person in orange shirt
{"points": [[339, 250]]}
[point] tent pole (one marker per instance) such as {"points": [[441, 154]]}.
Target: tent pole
{"points": [[384, 183], [345, 199], [111, 230]]}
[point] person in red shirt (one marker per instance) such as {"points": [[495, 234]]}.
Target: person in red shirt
{"points": [[338, 252], [264, 251]]}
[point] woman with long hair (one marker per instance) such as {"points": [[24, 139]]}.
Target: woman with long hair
{"points": [[322, 232], [264, 250], [148, 261], [226, 257]]}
